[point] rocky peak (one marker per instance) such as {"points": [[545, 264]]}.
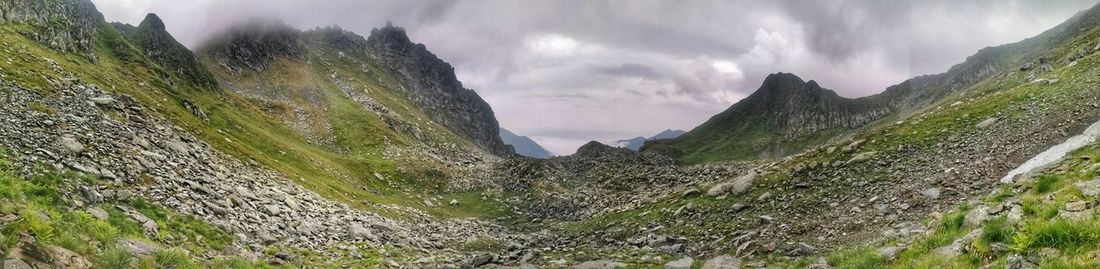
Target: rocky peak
{"points": [[339, 38], [255, 46], [151, 37], [796, 108], [152, 22], [65, 25], [433, 87]]}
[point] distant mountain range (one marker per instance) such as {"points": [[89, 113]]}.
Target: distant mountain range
{"points": [[524, 145], [636, 143]]}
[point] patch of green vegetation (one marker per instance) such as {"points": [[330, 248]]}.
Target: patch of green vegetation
{"points": [[857, 258], [1045, 184], [1061, 234], [45, 214]]}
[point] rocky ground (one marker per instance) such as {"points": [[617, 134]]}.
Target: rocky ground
{"points": [[80, 127]]}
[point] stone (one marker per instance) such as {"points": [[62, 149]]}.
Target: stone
{"points": [[1089, 188], [736, 186], [889, 253], [722, 262], [272, 210], [691, 191], [861, 157], [16, 264], [64, 258], [1077, 206], [137, 247], [102, 100], [150, 227], [600, 264], [453, 202], [976, 216], [682, 263], [933, 193], [71, 145], [986, 123], [98, 213], [124, 195], [358, 232], [1016, 261]]}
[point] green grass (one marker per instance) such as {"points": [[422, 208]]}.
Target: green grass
{"points": [[857, 258], [1045, 184]]}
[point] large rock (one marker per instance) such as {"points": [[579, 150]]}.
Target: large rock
{"points": [[736, 186], [600, 264], [683, 263], [137, 247], [66, 259], [723, 262], [71, 145]]}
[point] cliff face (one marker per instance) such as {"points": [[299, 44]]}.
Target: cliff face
{"points": [[433, 87], [255, 46], [151, 37], [65, 25]]}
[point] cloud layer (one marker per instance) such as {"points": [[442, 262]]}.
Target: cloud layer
{"points": [[566, 72]]}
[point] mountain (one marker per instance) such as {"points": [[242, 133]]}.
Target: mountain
{"points": [[737, 133], [151, 37], [523, 145], [266, 136], [667, 134], [783, 116], [636, 143], [433, 87]]}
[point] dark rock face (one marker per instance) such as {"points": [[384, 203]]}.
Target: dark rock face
{"points": [[65, 25], [796, 108], [433, 87], [336, 37], [151, 37], [255, 46], [775, 121]]}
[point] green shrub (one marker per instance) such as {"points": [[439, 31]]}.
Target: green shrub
{"points": [[1045, 184], [114, 258], [997, 230]]}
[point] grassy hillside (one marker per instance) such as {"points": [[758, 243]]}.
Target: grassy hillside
{"points": [[362, 173]]}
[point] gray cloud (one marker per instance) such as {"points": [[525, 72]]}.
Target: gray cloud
{"points": [[566, 72]]}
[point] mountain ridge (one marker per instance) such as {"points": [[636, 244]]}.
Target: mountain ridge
{"points": [[523, 145]]}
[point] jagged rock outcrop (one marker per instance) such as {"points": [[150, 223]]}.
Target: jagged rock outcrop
{"points": [[151, 37], [255, 46], [65, 25], [433, 87], [776, 118]]}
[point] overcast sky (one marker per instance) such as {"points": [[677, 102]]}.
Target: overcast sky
{"points": [[567, 72]]}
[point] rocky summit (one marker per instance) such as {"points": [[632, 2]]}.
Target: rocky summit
{"points": [[276, 147]]}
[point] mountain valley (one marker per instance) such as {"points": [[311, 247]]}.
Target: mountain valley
{"points": [[269, 146]]}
